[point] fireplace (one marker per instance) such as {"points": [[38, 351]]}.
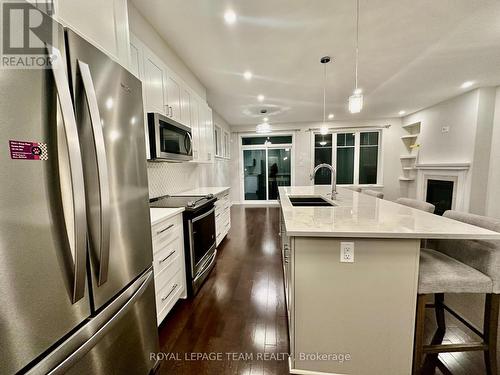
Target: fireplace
{"points": [[445, 185], [440, 194]]}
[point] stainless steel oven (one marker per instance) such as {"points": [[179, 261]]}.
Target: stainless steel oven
{"points": [[168, 139], [199, 235], [201, 230]]}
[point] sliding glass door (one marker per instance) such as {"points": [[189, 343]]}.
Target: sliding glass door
{"points": [[266, 166], [254, 166]]}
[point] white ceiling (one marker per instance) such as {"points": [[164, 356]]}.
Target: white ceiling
{"points": [[413, 53]]}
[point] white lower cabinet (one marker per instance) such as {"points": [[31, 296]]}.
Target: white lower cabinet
{"points": [[222, 216], [168, 264]]}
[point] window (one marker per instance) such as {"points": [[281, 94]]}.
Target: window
{"points": [[354, 154], [322, 154], [266, 140], [368, 158]]}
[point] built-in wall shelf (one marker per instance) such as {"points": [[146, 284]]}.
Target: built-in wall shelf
{"points": [[414, 125], [410, 136], [408, 162]]}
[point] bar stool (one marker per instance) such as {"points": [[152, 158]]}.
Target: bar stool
{"points": [[419, 205], [373, 193], [459, 266]]}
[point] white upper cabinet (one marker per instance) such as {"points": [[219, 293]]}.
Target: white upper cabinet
{"points": [[154, 84], [195, 127], [102, 22], [164, 92], [209, 134], [186, 107], [173, 97], [136, 58]]}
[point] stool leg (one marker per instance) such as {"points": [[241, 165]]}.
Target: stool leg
{"points": [[418, 348], [491, 310], [439, 309]]}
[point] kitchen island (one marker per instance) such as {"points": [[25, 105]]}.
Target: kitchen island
{"points": [[351, 277]]}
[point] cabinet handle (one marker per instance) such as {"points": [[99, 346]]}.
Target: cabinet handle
{"points": [[169, 293], [164, 230], [171, 111], [168, 256]]}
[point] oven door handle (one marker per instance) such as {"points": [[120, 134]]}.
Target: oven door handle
{"points": [[198, 218]]}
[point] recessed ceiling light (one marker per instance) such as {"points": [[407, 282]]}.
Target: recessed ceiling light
{"points": [[260, 98], [230, 17], [358, 91], [467, 84], [265, 119], [402, 112], [330, 116], [248, 75]]}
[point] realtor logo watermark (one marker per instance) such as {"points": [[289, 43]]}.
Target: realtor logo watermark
{"points": [[26, 33]]}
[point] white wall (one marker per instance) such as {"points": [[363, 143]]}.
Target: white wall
{"points": [[493, 193], [392, 148], [470, 120]]}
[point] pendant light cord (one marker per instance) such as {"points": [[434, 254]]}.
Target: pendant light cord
{"points": [[357, 41], [324, 97]]}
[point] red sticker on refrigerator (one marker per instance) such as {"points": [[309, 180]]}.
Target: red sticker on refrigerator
{"points": [[28, 150]]}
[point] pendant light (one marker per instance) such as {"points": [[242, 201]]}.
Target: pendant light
{"points": [[356, 99], [324, 129]]}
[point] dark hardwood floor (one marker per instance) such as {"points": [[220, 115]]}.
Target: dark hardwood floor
{"points": [[241, 310]]}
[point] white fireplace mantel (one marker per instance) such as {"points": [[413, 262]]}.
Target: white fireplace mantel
{"points": [[444, 166], [456, 172]]}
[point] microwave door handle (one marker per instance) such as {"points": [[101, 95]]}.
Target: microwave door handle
{"points": [[79, 246], [102, 168], [188, 149]]}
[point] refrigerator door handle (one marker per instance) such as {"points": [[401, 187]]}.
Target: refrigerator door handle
{"points": [[102, 168], [79, 247]]}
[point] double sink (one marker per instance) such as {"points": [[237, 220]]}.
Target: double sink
{"points": [[310, 202]]}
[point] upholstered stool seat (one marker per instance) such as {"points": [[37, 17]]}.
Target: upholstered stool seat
{"points": [[419, 205], [374, 193], [459, 266], [440, 273]]}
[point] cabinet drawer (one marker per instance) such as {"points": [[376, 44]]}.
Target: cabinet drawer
{"points": [[166, 231], [168, 295], [167, 254], [166, 273]]}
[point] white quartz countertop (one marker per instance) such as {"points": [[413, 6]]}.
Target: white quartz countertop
{"points": [[159, 214], [201, 191], [360, 215]]}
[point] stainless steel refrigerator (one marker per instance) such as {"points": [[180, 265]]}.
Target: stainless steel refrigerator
{"points": [[76, 281]]}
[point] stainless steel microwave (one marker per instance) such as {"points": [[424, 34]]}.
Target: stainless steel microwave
{"points": [[168, 139]]}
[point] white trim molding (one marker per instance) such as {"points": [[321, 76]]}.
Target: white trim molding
{"points": [[444, 166]]}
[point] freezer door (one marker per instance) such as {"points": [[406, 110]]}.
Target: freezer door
{"points": [[43, 293], [119, 340], [109, 112]]}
